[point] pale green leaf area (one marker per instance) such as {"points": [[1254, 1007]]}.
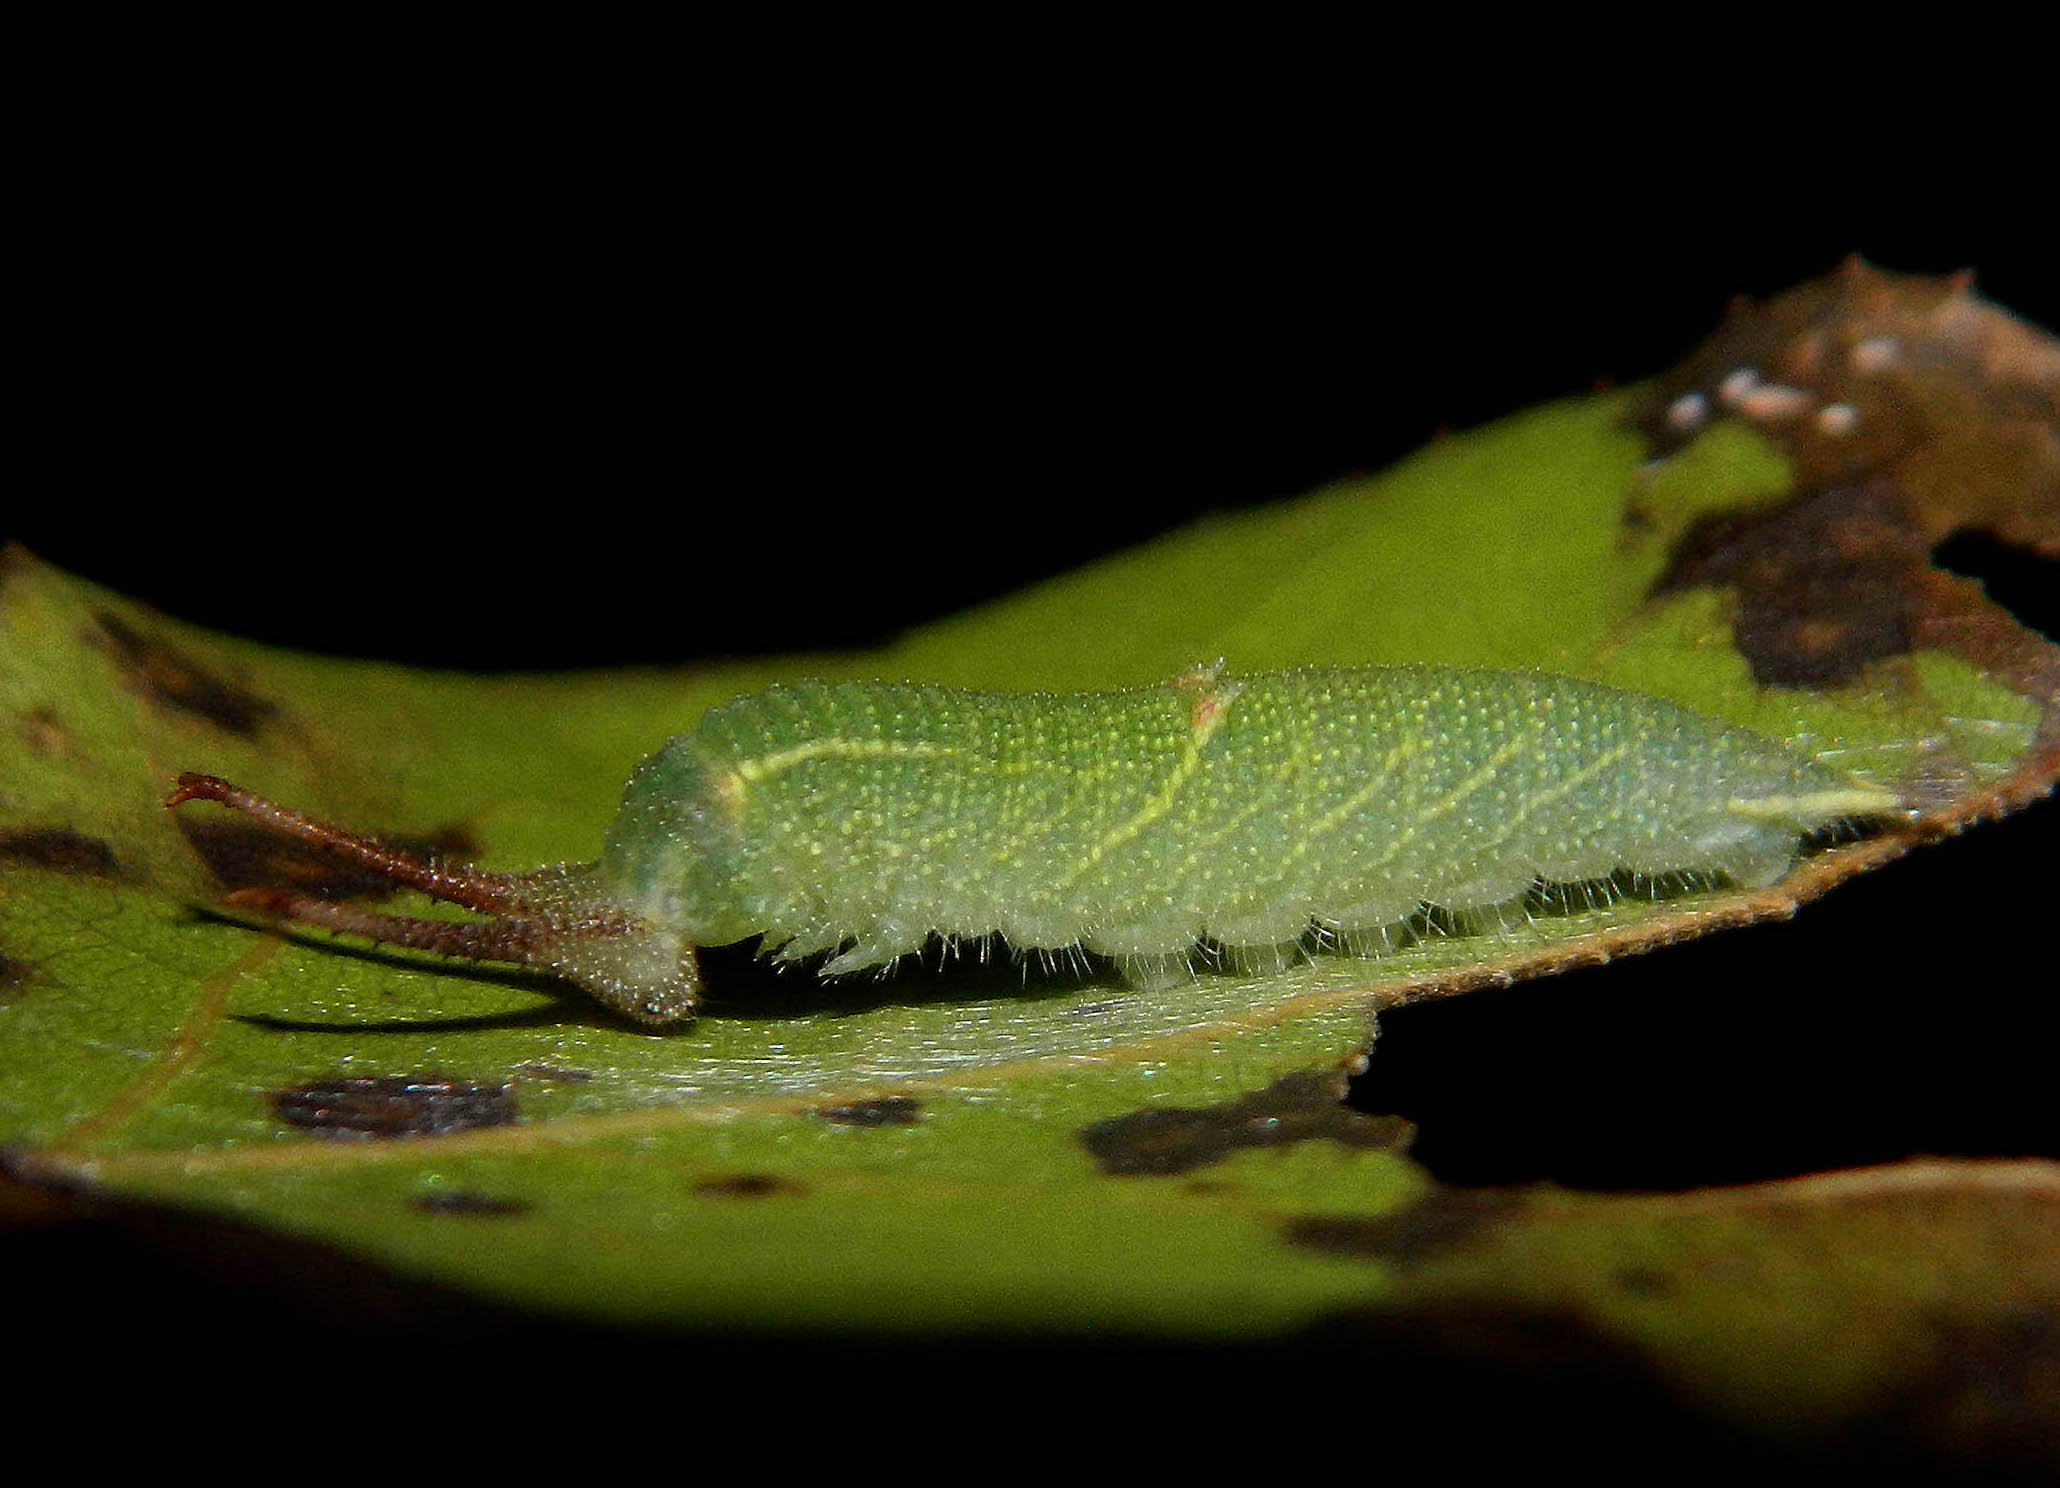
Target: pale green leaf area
{"points": [[715, 1175], [1508, 548]]}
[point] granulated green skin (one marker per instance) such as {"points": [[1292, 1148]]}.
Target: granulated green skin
{"points": [[1134, 824]]}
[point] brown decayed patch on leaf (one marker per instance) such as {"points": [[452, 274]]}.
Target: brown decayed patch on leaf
{"points": [[469, 1205], [1908, 409], [1866, 374], [1824, 585], [174, 681], [43, 732], [1297, 1108], [1441, 1220], [887, 1110], [394, 1106], [749, 1186], [1937, 411], [14, 976], [61, 850]]}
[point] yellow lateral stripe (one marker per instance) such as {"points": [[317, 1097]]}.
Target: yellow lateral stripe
{"points": [[1555, 794], [753, 771], [1559, 792], [1161, 802], [1857, 799], [1338, 815], [1449, 804]]}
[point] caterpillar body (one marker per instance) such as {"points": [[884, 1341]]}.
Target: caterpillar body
{"points": [[856, 820]]}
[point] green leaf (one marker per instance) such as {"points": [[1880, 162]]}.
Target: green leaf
{"points": [[978, 1147]]}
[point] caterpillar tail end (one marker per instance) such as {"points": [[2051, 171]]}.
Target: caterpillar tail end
{"points": [[558, 919]]}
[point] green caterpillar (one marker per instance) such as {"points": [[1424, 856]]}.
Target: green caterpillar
{"points": [[860, 819]]}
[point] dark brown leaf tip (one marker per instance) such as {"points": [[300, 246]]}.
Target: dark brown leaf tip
{"points": [[1866, 374], [1907, 409]]}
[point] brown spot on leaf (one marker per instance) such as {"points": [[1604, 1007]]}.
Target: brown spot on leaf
{"points": [[1908, 409], [1296, 1108], [887, 1110], [749, 1186], [61, 850], [242, 855], [14, 978], [470, 1205], [1441, 1221], [394, 1106], [1825, 585], [172, 680], [43, 732], [554, 1074], [1643, 1281]]}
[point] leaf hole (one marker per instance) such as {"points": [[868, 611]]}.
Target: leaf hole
{"points": [[1906, 1014], [2016, 578]]}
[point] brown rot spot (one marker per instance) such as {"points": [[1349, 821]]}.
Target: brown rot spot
{"points": [[44, 733], [1445, 1219], [1907, 411], [749, 1186], [394, 1106], [469, 1205], [14, 978], [171, 680], [887, 1110], [1643, 1281], [1825, 586], [243, 856], [61, 850], [1296, 1108]]}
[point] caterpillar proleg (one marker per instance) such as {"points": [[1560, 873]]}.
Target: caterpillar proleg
{"points": [[856, 820]]}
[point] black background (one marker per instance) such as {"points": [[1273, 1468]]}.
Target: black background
{"points": [[521, 402]]}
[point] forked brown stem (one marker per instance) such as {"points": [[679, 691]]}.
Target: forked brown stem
{"points": [[520, 942], [487, 893], [550, 918], [516, 933]]}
